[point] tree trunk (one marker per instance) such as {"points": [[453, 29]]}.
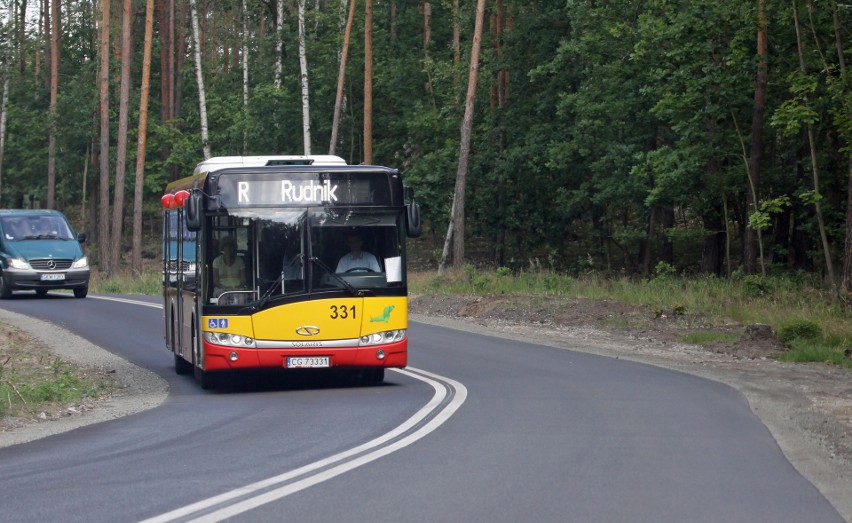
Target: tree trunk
{"points": [[45, 18], [466, 129], [103, 87], [245, 54], [121, 148], [4, 111], [199, 78], [829, 265], [164, 17], [54, 94], [646, 244], [847, 252], [368, 82], [341, 76], [303, 70], [22, 37], [139, 185], [179, 44], [279, 43], [751, 235]]}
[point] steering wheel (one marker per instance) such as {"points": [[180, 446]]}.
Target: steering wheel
{"points": [[359, 269]]}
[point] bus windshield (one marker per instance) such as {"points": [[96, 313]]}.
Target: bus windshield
{"points": [[257, 255]]}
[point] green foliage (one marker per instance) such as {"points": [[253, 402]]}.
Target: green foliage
{"points": [[756, 286], [800, 330], [761, 220], [610, 112]]}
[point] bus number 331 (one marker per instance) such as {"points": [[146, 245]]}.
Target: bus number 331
{"points": [[342, 312]]}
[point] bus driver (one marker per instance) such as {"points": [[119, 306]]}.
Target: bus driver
{"points": [[229, 270], [357, 260]]}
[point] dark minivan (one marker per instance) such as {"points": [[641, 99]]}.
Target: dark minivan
{"points": [[39, 251]]}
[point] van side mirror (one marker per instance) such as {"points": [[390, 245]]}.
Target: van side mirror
{"points": [[81, 237], [412, 220], [193, 211]]}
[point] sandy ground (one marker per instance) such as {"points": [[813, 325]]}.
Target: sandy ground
{"points": [[807, 407]]}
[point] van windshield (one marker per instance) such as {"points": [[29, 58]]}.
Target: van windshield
{"points": [[35, 227]]}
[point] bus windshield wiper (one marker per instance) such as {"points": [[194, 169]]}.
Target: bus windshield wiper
{"points": [[268, 294], [351, 288]]}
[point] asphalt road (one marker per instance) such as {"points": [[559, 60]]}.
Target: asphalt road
{"points": [[478, 429]]}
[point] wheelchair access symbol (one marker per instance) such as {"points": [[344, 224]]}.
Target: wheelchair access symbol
{"points": [[217, 323]]}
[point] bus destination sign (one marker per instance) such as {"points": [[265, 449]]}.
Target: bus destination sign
{"points": [[299, 190]]}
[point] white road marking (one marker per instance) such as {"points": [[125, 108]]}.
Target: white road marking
{"points": [[437, 411], [125, 300]]}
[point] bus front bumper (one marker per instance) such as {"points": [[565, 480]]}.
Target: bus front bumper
{"points": [[220, 357]]}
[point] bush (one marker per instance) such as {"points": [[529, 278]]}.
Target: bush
{"points": [[799, 330], [756, 286]]}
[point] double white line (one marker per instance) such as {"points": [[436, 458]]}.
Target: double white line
{"points": [[449, 396]]}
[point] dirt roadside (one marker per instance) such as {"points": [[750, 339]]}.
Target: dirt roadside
{"points": [[806, 407], [136, 389]]}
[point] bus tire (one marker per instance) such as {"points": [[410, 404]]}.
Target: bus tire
{"points": [[182, 367], [207, 380]]}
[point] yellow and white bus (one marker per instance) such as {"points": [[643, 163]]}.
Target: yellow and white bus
{"points": [[286, 262]]}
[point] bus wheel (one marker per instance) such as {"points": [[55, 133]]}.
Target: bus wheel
{"points": [[373, 376], [182, 367], [207, 380]]}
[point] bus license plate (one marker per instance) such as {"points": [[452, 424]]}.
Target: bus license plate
{"points": [[308, 362], [53, 277]]}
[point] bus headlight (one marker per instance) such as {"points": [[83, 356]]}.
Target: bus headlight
{"points": [[229, 340], [383, 337]]}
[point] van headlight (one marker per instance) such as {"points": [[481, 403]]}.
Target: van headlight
{"points": [[82, 263], [15, 263]]}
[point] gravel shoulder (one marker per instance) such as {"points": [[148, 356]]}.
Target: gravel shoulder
{"points": [[137, 389], [806, 407]]}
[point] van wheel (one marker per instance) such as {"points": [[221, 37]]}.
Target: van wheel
{"points": [[5, 291], [81, 292]]}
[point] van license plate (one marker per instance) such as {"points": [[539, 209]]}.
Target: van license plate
{"points": [[308, 362], [53, 277]]}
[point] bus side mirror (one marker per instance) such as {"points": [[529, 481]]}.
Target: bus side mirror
{"points": [[193, 211], [412, 220]]}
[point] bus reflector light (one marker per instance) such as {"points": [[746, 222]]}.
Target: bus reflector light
{"points": [[380, 354], [181, 197], [233, 356]]}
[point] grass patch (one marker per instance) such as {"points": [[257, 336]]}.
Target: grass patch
{"points": [[149, 282], [34, 381], [795, 302], [702, 337], [825, 351]]}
